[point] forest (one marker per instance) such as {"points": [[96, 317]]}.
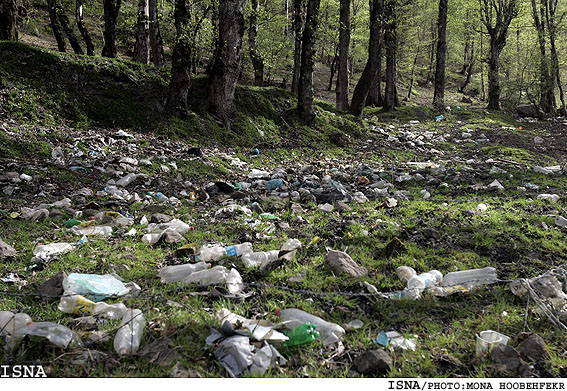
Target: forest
{"points": [[283, 189]]}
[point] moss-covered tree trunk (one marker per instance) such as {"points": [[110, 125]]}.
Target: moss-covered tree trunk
{"points": [[305, 86], [255, 57], [439, 91], [297, 28], [226, 68], [181, 61], [344, 55], [546, 82], [8, 20], [111, 9], [391, 99], [156, 43], [142, 45], [56, 26], [82, 28]]}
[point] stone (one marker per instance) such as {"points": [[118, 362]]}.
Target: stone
{"points": [[527, 110], [160, 218], [342, 206], [431, 233], [506, 358], [326, 207], [171, 236], [341, 263], [238, 195], [180, 371], [6, 250], [533, 348], [159, 352], [373, 362], [53, 286]]}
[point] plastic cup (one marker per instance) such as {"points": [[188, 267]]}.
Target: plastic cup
{"points": [[487, 340]]}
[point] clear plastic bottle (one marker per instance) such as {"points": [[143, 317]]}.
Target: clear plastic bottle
{"points": [[79, 305], [215, 275], [179, 272], [129, 336], [328, 332], [260, 258], [405, 273], [483, 276], [10, 322], [425, 280], [207, 254]]}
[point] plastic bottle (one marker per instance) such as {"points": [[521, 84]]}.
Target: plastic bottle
{"points": [[57, 334], [472, 276], [328, 332], [215, 253], [125, 181], [79, 305], [425, 280], [10, 322], [47, 250], [179, 272], [405, 273], [301, 335], [128, 337], [215, 275], [260, 258]]}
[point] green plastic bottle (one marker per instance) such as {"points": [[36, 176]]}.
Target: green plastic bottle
{"points": [[71, 223], [302, 334]]}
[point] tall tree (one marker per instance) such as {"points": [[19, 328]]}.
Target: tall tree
{"points": [[257, 61], [546, 84], [181, 61], [496, 16], [305, 85], [391, 99], [111, 9], [364, 84], [551, 9], [297, 29], [156, 43], [439, 92], [226, 68], [56, 25], [142, 45], [344, 55], [68, 29], [82, 28], [8, 20]]}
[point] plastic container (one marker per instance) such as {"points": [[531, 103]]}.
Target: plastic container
{"points": [[488, 340], [405, 273], [125, 181], [94, 286], [79, 305], [483, 276], [92, 230], [425, 280], [128, 337], [48, 250], [328, 332], [10, 322], [57, 334], [260, 258], [207, 254], [301, 335], [179, 272]]}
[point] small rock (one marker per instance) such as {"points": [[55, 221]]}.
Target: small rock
{"points": [[6, 250], [395, 247], [342, 206], [341, 263], [171, 236], [238, 195], [53, 286], [373, 362], [506, 358], [160, 218], [180, 371], [527, 110], [326, 207], [533, 348], [431, 233], [298, 277]]}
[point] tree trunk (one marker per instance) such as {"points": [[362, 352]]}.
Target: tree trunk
{"points": [[364, 84], [226, 68], [111, 9], [156, 43], [257, 61], [305, 85], [297, 29], [8, 20], [494, 88], [468, 69], [439, 92], [142, 45], [551, 7], [56, 25], [413, 72], [68, 29], [344, 54], [547, 98], [181, 62], [482, 68], [333, 68], [391, 43], [431, 54], [375, 97], [82, 29]]}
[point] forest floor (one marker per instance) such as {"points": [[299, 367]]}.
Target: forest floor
{"points": [[468, 150]]}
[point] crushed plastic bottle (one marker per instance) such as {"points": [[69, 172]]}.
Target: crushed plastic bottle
{"points": [[79, 305], [301, 335], [92, 230], [328, 332], [473, 277], [52, 249], [10, 322], [425, 280], [217, 275], [260, 258], [57, 334], [215, 253], [129, 336], [405, 273], [179, 272]]}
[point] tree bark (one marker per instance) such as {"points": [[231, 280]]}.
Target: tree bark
{"points": [[305, 85], [546, 85], [364, 84], [156, 43], [226, 69], [142, 45], [64, 22], [111, 9], [8, 20], [56, 25], [297, 29], [551, 8], [181, 62], [257, 61], [439, 92], [333, 69], [391, 43], [468, 68], [344, 55], [410, 88], [82, 28]]}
